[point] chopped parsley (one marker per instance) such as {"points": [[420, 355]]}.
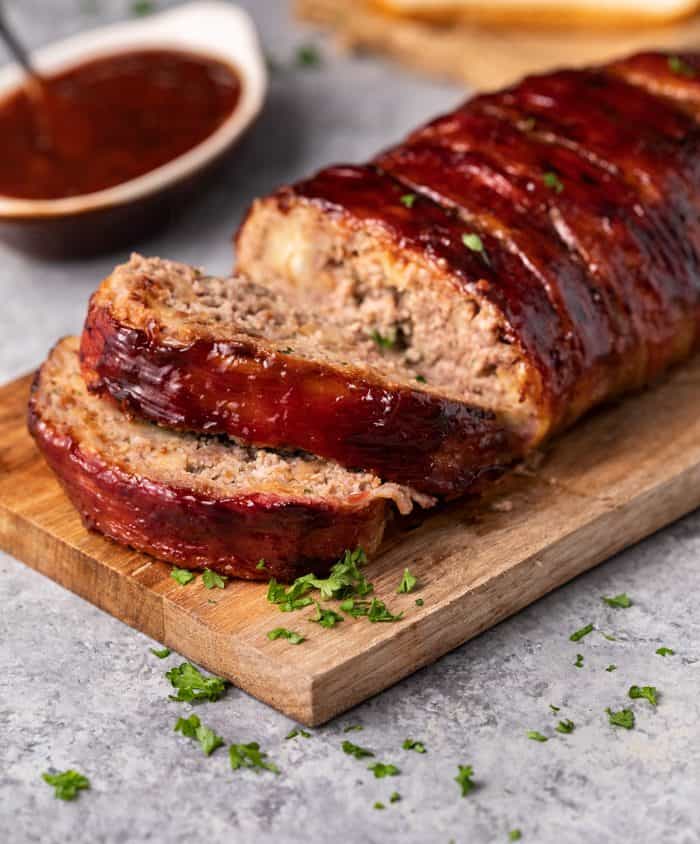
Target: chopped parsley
{"points": [[565, 726], [183, 576], [579, 661], [647, 692], [192, 686], [622, 601], [326, 618], [261, 565], [383, 769], [515, 835], [554, 708], [297, 731], [66, 784], [680, 67], [622, 718], [383, 341], [421, 379], [140, 8], [395, 797], [473, 242], [294, 598], [408, 199], [608, 637], [536, 736], [212, 580], [378, 612], [408, 583], [308, 56], [282, 633], [419, 602], [193, 728], [355, 750], [611, 667], [353, 728], [665, 651], [250, 756], [553, 182], [579, 634], [464, 779], [379, 805], [162, 653], [411, 744]]}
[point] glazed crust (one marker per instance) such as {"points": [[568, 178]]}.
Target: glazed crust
{"points": [[194, 528], [249, 390]]}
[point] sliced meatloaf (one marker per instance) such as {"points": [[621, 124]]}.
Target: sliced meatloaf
{"points": [[538, 248], [231, 356], [200, 500]]}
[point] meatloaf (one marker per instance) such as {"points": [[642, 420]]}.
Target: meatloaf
{"points": [[230, 356], [538, 249], [200, 500]]}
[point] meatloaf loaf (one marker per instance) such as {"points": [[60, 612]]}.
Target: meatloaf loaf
{"points": [[199, 500], [537, 250], [230, 356]]}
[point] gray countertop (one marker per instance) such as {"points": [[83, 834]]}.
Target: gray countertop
{"points": [[79, 689]]}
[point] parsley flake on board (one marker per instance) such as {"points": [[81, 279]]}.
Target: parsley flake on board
{"points": [[419, 602], [66, 784], [579, 634], [193, 728], [408, 199], [291, 599], [282, 633], [665, 651], [411, 744], [680, 67], [162, 653], [355, 750], [307, 55], [536, 736], [183, 576], [250, 756], [353, 728], [297, 731], [565, 726], [515, 835], [326, 618], [554, 708], [395, 797], [622, 718], [383, 769], [378, 612], [579, 661], [212, 580], [379, 805], [383, 341], [553, 182], [192, 686], [464, 779], [408, 583], [621, 601], [611, 667], [647, 692]]}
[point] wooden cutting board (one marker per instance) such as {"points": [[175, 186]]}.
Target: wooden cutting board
{"points": [[619, 476]]}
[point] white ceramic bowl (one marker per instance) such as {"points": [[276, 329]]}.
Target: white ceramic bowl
{"points": [[96, 221]]}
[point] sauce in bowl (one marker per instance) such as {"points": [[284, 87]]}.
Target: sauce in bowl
{"points": [[108, 120]]}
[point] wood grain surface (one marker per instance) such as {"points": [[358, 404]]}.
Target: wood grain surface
{"points": [[619, 476]]}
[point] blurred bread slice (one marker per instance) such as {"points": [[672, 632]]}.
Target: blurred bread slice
{"points": [[488, 57], [543, 13]]}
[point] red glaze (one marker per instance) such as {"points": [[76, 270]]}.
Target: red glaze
{"points": [[268, 398], [676, 76], [193, 530]]}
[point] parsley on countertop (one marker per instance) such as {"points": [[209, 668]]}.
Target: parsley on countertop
{"points": [[250, 756], [193, 728], [411, 744], [515, 835], [565, 726], [192, 686], [622, 718], [66, 784], [464, 779], [536, 736], [665, 651], [307, 55], [282, 633], [297, 731], [611, 667], [579, 661], [579, 634], [622, 601], [395, 797], [352, 728], [379, 805], [355, 750], [162, 653], [383, 769], [647, 692]]}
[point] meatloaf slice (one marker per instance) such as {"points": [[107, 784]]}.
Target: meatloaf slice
{"points": [[194, 352], [199, 500]]}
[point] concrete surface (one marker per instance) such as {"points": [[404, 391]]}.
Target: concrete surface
{"points": [[79, 689]]}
